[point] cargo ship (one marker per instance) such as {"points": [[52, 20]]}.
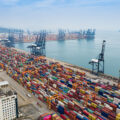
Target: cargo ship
{"points": [[25, 36]]}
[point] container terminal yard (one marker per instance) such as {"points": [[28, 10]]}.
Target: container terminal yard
{"points": [[53, 90]]}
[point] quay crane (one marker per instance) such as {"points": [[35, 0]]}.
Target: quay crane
{"points": [[9, 42], [21, 36], [98, 64], [61, 35], [38, 48]]}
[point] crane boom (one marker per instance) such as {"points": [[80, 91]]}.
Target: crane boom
{"points": [[101, 55], [39, 47]]}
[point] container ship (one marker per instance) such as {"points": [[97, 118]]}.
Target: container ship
{"points": [[26, 36]]}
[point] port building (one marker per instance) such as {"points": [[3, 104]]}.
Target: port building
{"points": [[8, 103]]}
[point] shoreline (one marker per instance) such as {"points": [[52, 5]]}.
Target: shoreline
{"points": [[88, 71], [102, 77], [49, 41]]}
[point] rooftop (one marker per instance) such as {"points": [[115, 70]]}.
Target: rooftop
{"points": [[4, 83], [4, 92]]}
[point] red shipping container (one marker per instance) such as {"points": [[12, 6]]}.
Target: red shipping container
{"points": [[100, 118], [66, 112], [86, 112], [113, 106], [111, 117], [63, 116]]}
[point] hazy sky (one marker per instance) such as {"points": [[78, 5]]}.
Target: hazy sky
{"points": [[53, 14]]}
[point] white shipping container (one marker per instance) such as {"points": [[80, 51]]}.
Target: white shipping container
{"points": [[40, 96], [71, 102], [108, 106], [61, 103], [54, 85], [116, 100], [117, 110]]}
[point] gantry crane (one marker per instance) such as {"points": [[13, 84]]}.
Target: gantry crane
{"points": [[38, 48], [98, 64], [61, 35], [90, 34], [21, 37], [11, 39]]}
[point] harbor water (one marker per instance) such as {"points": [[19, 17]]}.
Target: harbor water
{"points": [[80, 52]]}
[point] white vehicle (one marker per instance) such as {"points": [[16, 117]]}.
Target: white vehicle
{"points": [[29, 95]]}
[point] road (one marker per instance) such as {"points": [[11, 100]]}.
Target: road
{"points": [[23, 99]]}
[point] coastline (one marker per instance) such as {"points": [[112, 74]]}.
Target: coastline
{"points": [[102, 77], [46, 41]]}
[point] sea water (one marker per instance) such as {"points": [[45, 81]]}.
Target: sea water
{"points": [[80, 52]]}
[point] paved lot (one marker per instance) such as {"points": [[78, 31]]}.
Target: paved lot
{"points": [[26, 104]]}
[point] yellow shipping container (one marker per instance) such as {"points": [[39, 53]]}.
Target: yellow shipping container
{"points": [[97, 89], [30, 91], [68, 76], [118, 114], [117, 118], [54, 117], [117, 92], [90, 116], [29, 78], [93, 105], [20, 79], [15, 75], [82, 91], [93, 118], [28, 85]]}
